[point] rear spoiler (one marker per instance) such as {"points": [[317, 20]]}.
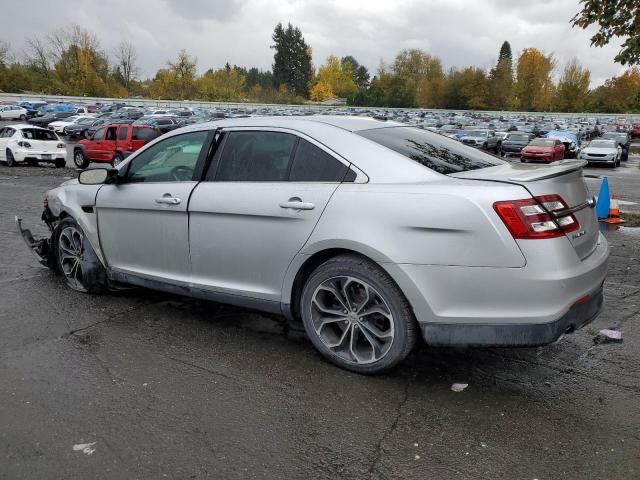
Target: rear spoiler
{"points": [[549, 171]]}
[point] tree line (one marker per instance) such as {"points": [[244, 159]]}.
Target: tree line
{"points": [[71, 61]]}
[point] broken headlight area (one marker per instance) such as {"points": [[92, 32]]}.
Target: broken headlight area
{"points": [[41, 248]]}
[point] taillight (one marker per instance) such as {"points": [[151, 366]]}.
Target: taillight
{"points": [[533, 217]]}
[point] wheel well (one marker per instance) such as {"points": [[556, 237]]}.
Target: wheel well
{"points": [[307, 268]]}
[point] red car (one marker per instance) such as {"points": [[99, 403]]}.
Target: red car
{"points": [[544, 150], [635, 130], [112, 143]]}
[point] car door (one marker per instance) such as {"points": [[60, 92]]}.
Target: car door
{"points": [[92, 148], [3, 143], [107, 147], [256, 209], [123, 143], [142, 220]]}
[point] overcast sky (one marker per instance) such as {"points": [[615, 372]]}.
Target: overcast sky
{"points": [[460, 32]]}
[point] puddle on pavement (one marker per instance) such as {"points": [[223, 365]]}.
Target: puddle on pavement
{"points": [[612, 227]]}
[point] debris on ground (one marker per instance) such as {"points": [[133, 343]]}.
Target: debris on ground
{"points": [[458, 387], [84, 448], [608, 336]]}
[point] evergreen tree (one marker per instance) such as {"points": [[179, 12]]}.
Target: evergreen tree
{"points": [[292, 60], [501, 79]]}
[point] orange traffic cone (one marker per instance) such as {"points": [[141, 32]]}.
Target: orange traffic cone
{"points": [[614, 211]]}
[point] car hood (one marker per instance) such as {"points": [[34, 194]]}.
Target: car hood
{"points": [[601, 151], [530, 149]]}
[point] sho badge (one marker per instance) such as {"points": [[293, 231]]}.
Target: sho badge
{"points": [[581, 233]]}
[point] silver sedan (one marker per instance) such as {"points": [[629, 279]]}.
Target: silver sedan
{"points": [[371, 233]]}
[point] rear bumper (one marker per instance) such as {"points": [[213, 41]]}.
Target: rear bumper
{"points": [[514, 335], [40, 156], [530, 305]]}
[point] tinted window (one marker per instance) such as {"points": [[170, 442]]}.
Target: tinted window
{"points": [[312, 164], [122, 133], [541, 142], [37, 134], [145, 134], [170, 160], [436, 152], [111, 133], [255, 157], [98, 135]]}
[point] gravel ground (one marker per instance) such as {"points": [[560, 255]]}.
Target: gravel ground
{"points": [[148, 385]]}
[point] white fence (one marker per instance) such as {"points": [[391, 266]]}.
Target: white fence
{"points": [[19, 97]]}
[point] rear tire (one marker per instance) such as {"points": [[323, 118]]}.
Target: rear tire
{"points": [[60, 163], [80, 159], [356, 316], [76, 260], [11, 162]]}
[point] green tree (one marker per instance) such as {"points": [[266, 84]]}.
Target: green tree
{"points": [[501, 79], [572, 94], [222, 85], [423, 75], [359, 73], [615, 18], [619, 94], [338, 76], [292, 59]]}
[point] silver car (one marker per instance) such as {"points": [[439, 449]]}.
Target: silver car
{"points": [[372, 233]]}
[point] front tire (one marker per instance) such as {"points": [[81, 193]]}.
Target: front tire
{"points": [[11, 161], [76, 259], [22, 118], [356, 316], [80, 159]]}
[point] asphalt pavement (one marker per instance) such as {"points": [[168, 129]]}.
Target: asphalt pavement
{"points": [[147, 385]]}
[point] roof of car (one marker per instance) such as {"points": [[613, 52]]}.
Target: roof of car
{"points": [[348, 123], [22, 126]]}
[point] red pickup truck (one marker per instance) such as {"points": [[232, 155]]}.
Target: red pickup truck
{"points": [[112, 143]]}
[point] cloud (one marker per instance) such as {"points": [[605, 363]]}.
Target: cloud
{"points": [[460, 32]]}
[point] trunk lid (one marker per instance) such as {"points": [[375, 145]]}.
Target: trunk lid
{"points": [[562, 178]]}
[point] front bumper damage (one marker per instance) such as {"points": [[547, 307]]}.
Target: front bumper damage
{"points": [[41, 248]]}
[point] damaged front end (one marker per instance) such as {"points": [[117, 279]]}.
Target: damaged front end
{"points": [[42, 248]]}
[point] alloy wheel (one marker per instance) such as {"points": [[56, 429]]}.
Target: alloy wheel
{"points": [[352, 319], [70, 252]]}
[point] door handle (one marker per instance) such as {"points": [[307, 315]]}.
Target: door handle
{"points": [[296, 203], [168, 199]]}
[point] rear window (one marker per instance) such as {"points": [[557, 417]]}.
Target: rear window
{"points": [[36, 134], [518, 138], [436, 152], [541, 142], [141, 133]]}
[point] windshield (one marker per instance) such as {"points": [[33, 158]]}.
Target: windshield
{"points": [[85, 120], [602, 144], [518, 138], [541, 142], [39, 134], [475, 133], [436, 152]]}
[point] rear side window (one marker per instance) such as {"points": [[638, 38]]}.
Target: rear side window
{"points": [[36, 134], [122, 133], [312, 164], [256, 157], [435, 152], [146, 134]]}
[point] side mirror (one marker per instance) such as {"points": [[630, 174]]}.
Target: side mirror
{"points": [[97, 176]]}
